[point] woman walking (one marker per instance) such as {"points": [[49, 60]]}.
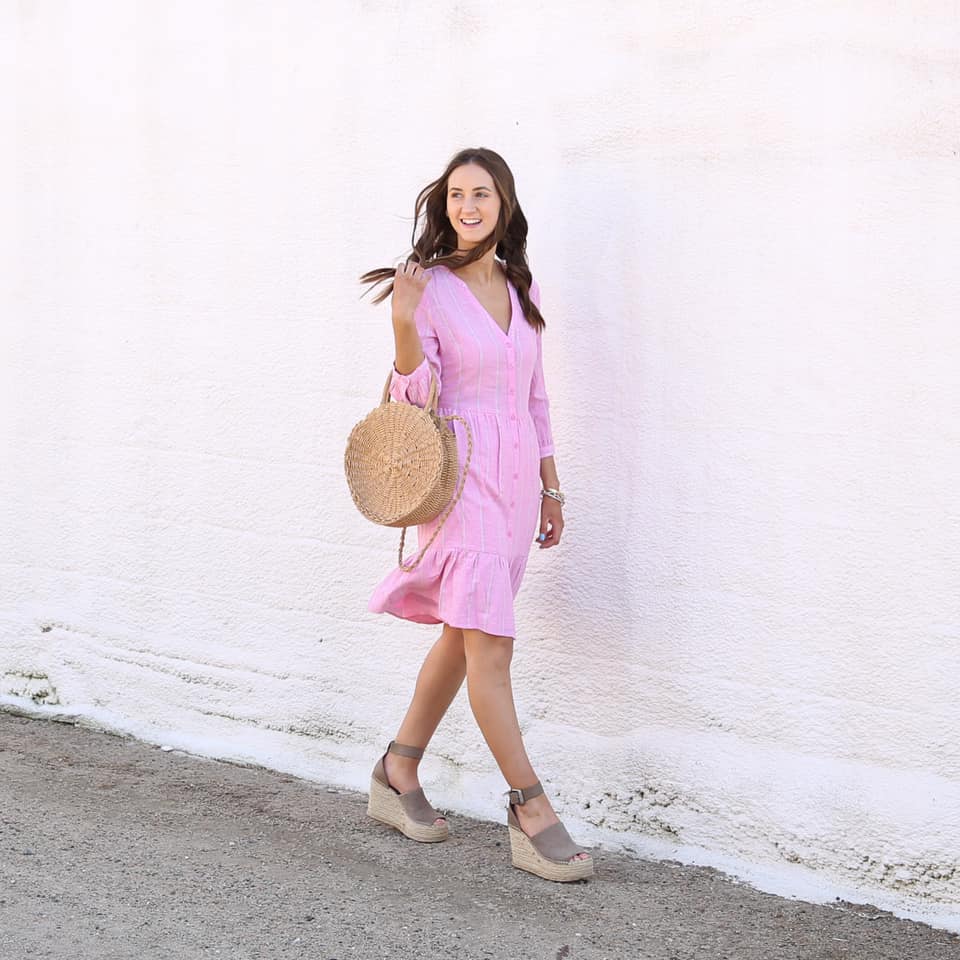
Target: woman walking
{"points": [[472, 320]]}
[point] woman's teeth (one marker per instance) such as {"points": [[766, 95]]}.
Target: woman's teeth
{"points": [[470, 223]]}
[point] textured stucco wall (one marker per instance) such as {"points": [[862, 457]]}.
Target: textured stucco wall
{"points": [[744, 221]]}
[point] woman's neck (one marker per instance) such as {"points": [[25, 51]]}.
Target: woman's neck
{"points": [[483, 272]]}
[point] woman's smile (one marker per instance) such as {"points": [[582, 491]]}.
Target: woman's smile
{"points": [[470, 186]]}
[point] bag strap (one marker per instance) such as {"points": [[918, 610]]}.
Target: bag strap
{"points": [[431, 404], [449, 507]]}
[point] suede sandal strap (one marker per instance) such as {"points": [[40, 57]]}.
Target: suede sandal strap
{"points": [[522, 796], [417, 808], [555, 843], [415, 753]]}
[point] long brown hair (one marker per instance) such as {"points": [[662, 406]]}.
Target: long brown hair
{"points": [[437, 243]]}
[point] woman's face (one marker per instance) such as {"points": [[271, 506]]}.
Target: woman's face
{"points": [[472, 197]]}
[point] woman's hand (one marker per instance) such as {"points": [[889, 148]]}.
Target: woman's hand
{"points": [[409, 282], [551, 522]]}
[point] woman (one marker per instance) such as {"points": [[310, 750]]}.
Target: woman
{"points": [[473, 322]]}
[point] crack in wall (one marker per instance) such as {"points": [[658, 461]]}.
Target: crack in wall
{"points": [[913, 876], [31, 685], [644, 810]]}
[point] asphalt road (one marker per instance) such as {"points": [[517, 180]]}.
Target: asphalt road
{"points": [[111, 848]]}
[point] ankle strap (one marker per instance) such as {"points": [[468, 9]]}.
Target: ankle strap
{"points": [[522, 796], [415, 753]]}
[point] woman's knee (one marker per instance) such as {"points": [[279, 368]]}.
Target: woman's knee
{"points": [[485, 651], [452, 639]]}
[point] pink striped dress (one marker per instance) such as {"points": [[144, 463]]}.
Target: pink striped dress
{"points": [[470, 575]]}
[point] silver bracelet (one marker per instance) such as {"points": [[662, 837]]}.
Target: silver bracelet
{"points": [[554, 494]]}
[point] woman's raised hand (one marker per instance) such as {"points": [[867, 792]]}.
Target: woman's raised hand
{"points": [[409, 282]]}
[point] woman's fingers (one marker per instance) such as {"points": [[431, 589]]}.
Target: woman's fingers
{"points": [[409, 282], [409, 270], [551, 524]]}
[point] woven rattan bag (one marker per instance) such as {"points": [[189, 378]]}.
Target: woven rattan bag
{"points": [[401, 465]]}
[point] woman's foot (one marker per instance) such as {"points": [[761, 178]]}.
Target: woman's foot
{"points": [[401, 773], [536, 814]]}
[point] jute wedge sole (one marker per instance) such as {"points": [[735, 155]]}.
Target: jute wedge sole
{"points": [[384, 805], [546, 854], [408, 812], [525, 857]]}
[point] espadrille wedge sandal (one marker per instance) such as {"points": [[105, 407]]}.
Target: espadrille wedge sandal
{"points": [[409, 812], [547, 853]]}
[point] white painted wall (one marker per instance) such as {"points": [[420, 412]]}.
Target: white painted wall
{"points": [[745, 224]]}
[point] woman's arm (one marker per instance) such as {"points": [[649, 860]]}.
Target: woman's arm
{"points": [[539, 402], [548, 473], [408, 310], [417, 350], [409, 347], [551, 512]]}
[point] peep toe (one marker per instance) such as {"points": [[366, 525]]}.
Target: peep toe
{"points": [[547, 853], [408, 812]]}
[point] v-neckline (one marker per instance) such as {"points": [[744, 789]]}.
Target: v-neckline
{"points": [[476, 300]]}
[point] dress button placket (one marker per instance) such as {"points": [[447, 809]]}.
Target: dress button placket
{"points": [[512, 381]]}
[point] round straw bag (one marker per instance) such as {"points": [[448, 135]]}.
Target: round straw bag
{"points": [[401, 465]]}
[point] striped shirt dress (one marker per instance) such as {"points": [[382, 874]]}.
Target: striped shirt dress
{"points": [[470, 575]]}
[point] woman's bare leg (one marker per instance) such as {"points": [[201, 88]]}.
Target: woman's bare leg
{"points": [[491, 699], [439, 680]]}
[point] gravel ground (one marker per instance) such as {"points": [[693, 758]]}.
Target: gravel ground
{"points": [[113, 848]]}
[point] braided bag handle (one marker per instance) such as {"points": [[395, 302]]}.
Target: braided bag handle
{"points": [[407, 567]]}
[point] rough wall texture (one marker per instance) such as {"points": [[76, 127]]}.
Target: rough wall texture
{"points": [[745, 226]]}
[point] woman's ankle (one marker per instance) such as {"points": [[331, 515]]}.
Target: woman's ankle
{"points": [[536, 809]]}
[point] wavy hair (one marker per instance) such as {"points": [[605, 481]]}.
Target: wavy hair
{"points": [[437, 243]]}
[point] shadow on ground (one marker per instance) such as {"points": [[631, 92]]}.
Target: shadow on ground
{"points": [[111, 848]]}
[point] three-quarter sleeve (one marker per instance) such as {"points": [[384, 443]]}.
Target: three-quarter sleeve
{"points": [[414, 387], [539, 402]]}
